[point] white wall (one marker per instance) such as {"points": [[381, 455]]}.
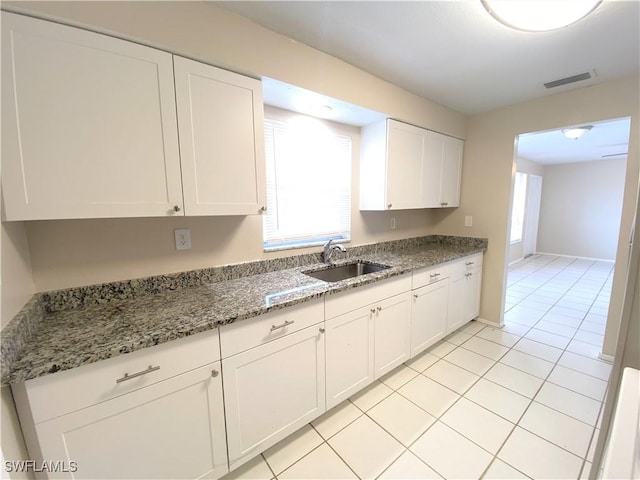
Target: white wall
{"points": [[581, 208], [79, 252]]}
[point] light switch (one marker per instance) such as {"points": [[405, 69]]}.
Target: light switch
{"points": [[468, 221]]}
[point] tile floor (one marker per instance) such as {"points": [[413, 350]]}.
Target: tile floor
{"points": [[518, 402]]}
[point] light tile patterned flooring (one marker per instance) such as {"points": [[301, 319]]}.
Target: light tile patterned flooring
{"points": [[518, 402]]}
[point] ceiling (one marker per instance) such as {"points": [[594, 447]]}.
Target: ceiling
{"points": [[454, 52], [606, 140]]}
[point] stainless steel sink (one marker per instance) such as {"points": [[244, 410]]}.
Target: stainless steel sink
{"points": [[335, 273]]}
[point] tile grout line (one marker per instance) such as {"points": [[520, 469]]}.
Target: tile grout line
{"points": [[482, 376]]}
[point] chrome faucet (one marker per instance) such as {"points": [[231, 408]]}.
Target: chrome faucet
{"points": [[328, 250]]}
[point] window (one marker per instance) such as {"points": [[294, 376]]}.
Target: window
{"points": [[308, 170], [517, 210]]}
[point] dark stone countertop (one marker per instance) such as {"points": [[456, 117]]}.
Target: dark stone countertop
{"points": [[65, 339]]}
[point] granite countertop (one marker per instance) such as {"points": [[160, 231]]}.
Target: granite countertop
{"points": [[65, 339]]}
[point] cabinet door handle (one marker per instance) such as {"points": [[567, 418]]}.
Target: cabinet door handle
{"points": [[215, 373], [322, 330], [176, 208], [415, 295], [263, 209], [126, 376], [379, 308], [373, 310], [282, 325], [389, 205]]}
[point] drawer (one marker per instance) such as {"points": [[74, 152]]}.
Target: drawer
{"points": [[245, 334], [71, 390], [430, 275], [473, 261], [353, 299], [466, 264]]}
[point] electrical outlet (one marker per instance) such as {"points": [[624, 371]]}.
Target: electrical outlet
{"points": [[183, 239], [468, 221], [393, 223]]}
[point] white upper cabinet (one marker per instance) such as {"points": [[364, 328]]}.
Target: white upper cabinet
{"points": [[443, 170], [405, 146], [221, 124], [91, 127], [407, 167], [88, 125]]}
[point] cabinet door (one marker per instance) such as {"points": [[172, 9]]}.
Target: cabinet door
{"points": [[88, 125], [173, 429], [432, 170], [405, 144], [392, 333], [473, 281], [221, 125], [349, 350], [429, 315], [272, 390], [451, 171], [457, 293]]}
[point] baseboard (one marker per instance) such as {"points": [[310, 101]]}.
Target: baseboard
{"points": [[489, 322], [605, 357], [576, 256], [515, 261]]}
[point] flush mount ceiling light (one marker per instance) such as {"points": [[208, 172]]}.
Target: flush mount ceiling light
{"points": [[539, 16], [577, 132]]}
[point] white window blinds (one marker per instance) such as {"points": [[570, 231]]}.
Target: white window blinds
{"points": [[308, 169]]}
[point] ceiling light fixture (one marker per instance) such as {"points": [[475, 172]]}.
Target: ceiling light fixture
{"points": [[539, 16], [577, 132]]}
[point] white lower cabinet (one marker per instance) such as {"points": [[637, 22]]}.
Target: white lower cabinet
{"points": [[155, 413], [429, 315], [173, 429], [350, 344], [392, 333], [464, 292], [473, 282], [272, 390], [165, 412], [368, 334]]}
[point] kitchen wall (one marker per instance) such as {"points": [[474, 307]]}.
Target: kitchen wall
{"points": [[80, 252], [488, 169], [526, 166], [580, 208]]}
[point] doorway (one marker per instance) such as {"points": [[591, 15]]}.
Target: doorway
{"points": [[578, 211], [572, 202]]}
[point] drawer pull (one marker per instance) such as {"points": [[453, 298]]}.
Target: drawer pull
{"points": [[138, 374], [282, 325], [214, 373], [378, 308], [434, 275], [373, 310], [322, 330], [469, 263]]}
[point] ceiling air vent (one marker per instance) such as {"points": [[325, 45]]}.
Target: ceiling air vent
{"points": [[565, 81]]}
